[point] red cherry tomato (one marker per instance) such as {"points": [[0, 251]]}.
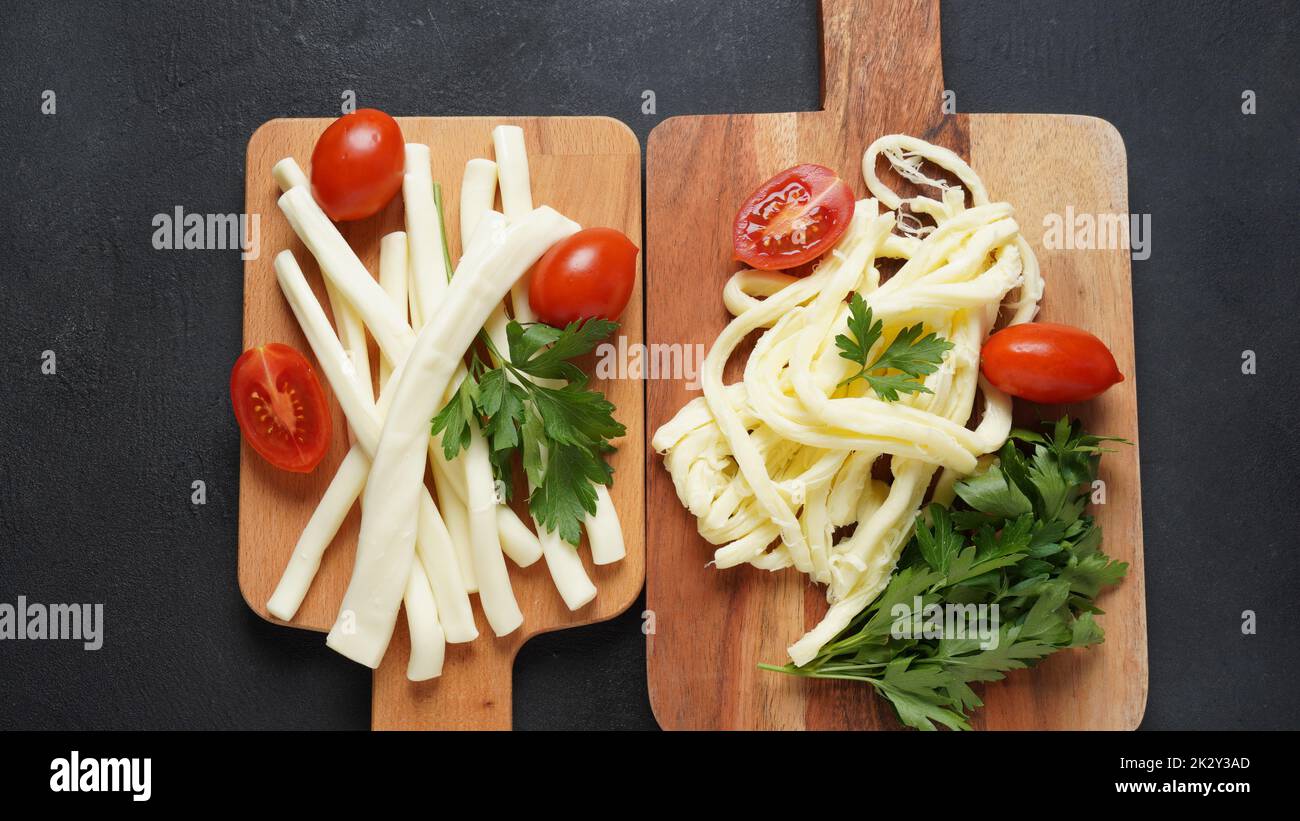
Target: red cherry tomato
{"points": [[1047, 363], [792, 218], [589, 274], [281, 407], [357, 164]]}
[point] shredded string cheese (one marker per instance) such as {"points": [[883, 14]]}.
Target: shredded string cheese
{"points": [[777, 468]]}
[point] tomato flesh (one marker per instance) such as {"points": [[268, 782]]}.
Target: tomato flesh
{"points": [[357, 165], [792, 218], [587, 275], [1048, 363], [281, 407]]}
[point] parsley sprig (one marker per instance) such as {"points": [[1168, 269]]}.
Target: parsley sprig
{"points": [[1020, 539], [913, 356], [563, 432]]}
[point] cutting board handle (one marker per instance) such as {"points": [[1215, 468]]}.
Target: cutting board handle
{"points": [[474, 696], [882, 53]]}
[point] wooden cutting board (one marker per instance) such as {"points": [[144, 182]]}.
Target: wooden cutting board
{"points": [[588, 168], [882, 74]]}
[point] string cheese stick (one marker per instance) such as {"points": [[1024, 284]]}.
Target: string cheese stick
{"points": [[604, 531], [428, 268], [455, 513], [512, 171], [478, 188], [427, 638], [428, 641], [428, 644], [495, 592], [321, 528], [435, 548], [287, 174], [392, 496], [519, 543], [476, 532], [393, 275], [429, 282], [567, 572], [516, 199]]}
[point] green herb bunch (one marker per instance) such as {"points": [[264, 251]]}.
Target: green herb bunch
{"points": [[1018, 538], [563, 432]]}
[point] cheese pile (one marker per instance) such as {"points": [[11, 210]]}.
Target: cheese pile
{"points": [[775, 466]]}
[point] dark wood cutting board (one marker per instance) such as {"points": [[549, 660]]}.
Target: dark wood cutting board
{"points": [[882, 74]]}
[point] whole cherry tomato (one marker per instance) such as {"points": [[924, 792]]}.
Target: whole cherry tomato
{"points": [[589, 274], [357, 165], [1047, 363]]}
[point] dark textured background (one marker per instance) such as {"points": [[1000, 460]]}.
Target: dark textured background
{"points": [[156, 102]]}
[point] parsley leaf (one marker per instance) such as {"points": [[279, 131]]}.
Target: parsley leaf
{"points": [[940, 544], [577, 338], [502, 402], [453, 421], [912, 355], [533, 436], [865, 333], [567, 494], [573, 415]]}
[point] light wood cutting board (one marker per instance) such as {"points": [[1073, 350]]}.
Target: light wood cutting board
{"points": [[588, 168], [882, 74]]}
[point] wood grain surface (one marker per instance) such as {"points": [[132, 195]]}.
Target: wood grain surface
{"points": [[882, 73], [588, 168]]}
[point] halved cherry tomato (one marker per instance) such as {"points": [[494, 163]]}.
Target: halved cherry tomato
{"points": [[589, 274], [1047, 363], [281, 407], [357, 164], [793, 217]]}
